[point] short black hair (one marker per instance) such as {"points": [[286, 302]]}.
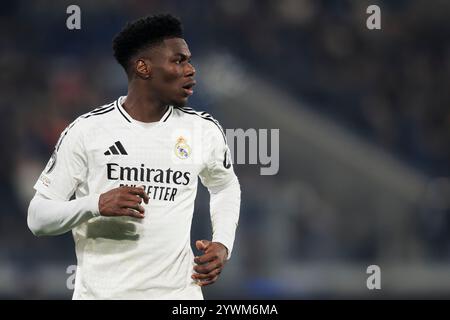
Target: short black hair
{"points": [[143, 33]]}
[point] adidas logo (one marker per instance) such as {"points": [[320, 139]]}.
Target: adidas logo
{"points": [[113, 150]]}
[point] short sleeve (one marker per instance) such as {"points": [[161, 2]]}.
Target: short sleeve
{"points": [[218, 169], [67, 166]]}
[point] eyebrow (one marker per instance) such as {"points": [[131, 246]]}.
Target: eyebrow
{"points": [[183, 56]]}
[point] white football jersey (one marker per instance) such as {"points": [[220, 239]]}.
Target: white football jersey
{"points": [[125, 257]]}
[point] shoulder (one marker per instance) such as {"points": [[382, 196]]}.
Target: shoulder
{"points": [[91, 118], [210, 125], [74, 131], [97, 114]]}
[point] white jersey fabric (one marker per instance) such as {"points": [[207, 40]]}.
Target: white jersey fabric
{"points": [[150, 258]]}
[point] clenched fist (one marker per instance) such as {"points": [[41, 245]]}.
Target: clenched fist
{"points": [[123, 201]]}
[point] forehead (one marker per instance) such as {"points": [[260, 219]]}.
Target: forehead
{"points": [[171, 47]]}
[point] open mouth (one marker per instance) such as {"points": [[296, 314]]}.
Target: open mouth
{"points": [[188, 88]]}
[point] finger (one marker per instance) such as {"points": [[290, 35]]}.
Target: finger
{"points": [[212, 274], [132, 205], [140, 192], [207, 282], [131, 213], [202, 244], [207, 268], [132, 197], [207, 257]]}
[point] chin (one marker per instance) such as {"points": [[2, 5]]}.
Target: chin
{"points": [[179, 103]]}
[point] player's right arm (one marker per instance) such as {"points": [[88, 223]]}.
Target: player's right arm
{"points": [[51, 217], [52, 213]]}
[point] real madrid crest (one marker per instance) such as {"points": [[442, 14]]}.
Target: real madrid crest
{"points": [[182, 149]]}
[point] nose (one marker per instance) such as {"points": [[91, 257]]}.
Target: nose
{"points": [[190, 70]]}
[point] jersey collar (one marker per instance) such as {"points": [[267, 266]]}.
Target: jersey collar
{"points": [[128, 118]]}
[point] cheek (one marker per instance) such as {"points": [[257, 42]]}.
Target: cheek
{"points": [[172, 74]]}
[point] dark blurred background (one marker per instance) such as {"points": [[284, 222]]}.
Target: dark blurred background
{"points": [[364, 119]]}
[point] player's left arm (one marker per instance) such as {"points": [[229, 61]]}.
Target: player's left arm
{"points": [[225, 192]]}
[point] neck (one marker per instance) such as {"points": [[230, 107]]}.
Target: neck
{"points": [[142, 106]]}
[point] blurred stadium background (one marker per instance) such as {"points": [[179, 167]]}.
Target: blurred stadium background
{"points": [[364, 119]]}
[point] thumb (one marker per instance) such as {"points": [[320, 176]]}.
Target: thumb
{"points": [[202, 244]]}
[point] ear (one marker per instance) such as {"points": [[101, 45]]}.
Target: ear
{"points": [[142, 68]]}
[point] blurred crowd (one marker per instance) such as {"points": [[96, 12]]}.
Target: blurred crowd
{"points": [[389, 86]]}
